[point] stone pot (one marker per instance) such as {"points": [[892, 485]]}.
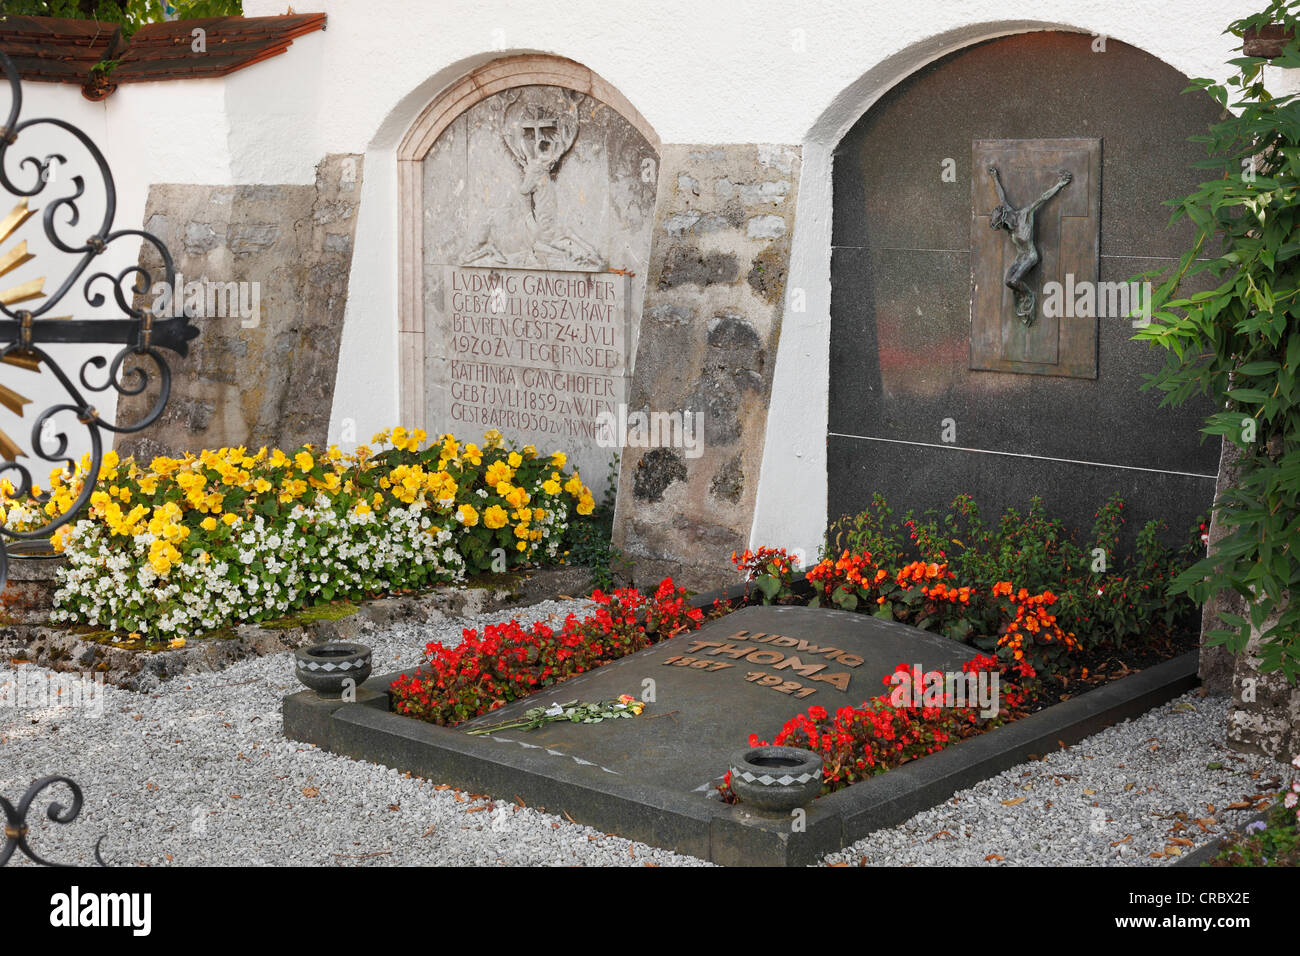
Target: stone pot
{"points": [[328, 668], [777, 779]]}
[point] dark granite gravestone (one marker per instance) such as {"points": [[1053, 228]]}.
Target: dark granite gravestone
{"points": [[747, 673], [931, 393]]}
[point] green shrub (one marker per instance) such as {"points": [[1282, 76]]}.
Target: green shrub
{"points": [[1109, 597]]}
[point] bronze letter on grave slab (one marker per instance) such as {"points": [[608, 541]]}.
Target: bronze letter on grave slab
{"points": [[1058, 183]]}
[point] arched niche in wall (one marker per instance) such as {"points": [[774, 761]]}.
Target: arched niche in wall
{"points": [[527, 194], [937, 386]]}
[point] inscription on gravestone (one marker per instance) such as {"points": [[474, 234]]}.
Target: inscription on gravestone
{"points": [[746, 673], [536, 354]]}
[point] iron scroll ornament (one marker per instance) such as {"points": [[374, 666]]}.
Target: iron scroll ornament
{"points": [[15, 820], [26, 330]]}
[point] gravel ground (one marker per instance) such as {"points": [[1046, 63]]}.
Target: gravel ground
{"points": [[199, 773], [1115, 798]]}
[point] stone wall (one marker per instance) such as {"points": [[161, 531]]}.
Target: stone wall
{"points": [[709, 329], [265, 378]]}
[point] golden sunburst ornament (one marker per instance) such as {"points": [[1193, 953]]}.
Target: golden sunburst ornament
{"points": [[23, 292]]}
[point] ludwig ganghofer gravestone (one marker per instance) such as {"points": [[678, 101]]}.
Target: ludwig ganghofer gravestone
{"points": [[538, 203], [749, 672]]}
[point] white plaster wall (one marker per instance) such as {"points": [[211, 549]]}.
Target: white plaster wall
{"points": [[725, 71]]}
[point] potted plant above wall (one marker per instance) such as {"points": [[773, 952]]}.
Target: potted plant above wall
{"points": [[97, 85], [1268, 40]]}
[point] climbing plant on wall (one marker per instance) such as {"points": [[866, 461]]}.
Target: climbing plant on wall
{"points": [[1239, 342]]}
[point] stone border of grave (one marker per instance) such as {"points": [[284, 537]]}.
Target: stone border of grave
{"points": [[30, 638], [728, 834]]}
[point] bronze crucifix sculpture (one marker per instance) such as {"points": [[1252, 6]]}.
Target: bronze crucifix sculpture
{"points": [[1019, 224]]}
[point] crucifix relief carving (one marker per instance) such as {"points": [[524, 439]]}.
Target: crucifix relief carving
{"points": [[538, 140], [1020, 255], [1019, 224]]}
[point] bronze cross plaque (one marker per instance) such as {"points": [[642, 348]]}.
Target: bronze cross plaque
{"points": [[1035, 233]]}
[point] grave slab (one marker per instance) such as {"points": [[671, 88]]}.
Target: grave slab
{"points": [[747, 673], [651, 778]]}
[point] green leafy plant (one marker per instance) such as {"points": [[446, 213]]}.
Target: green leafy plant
{"points": [[1108, 593], [1239, 343], [132, 14], [589, 544]]}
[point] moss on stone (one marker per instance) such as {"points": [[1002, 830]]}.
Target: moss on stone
{"points": [[312, 615], [491, 580]]}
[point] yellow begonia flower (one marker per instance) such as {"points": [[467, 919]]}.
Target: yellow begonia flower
{"points": [[468, 515], [208, 524], [497, 473], [559, 459], [230, 518], [495, 517], [304, 461], [515, 459], [551, 487], [586, 505]]}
